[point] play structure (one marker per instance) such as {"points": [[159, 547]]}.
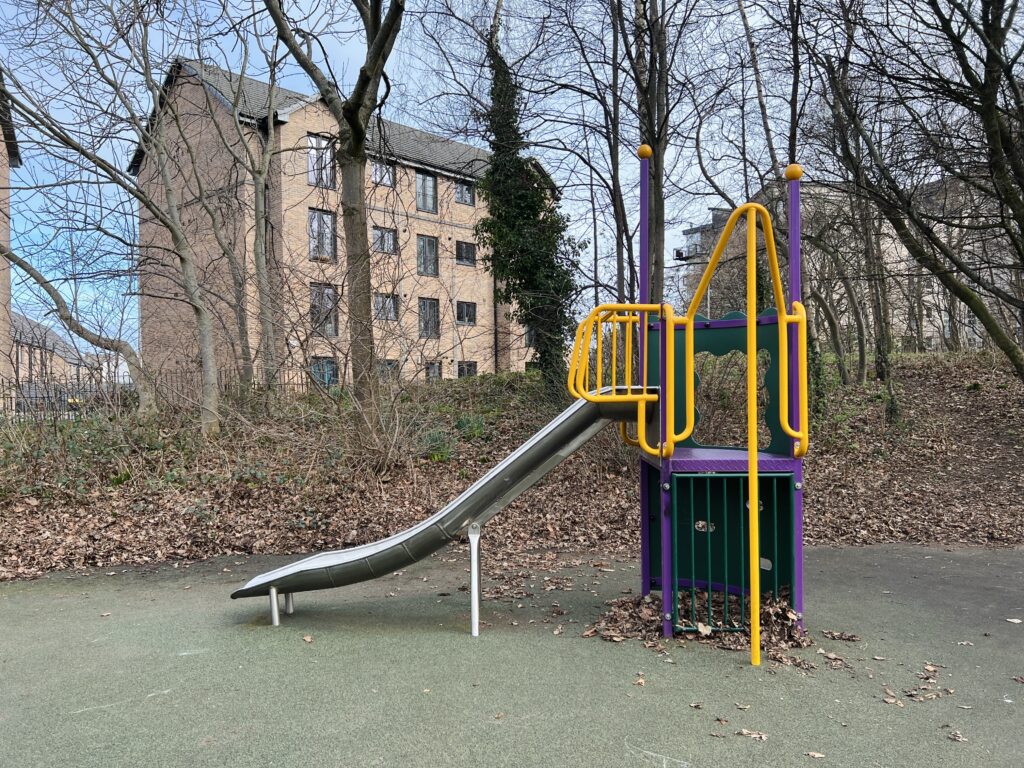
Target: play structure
{"points": [[720, 526]]}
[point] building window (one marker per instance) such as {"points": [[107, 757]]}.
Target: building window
{"points": [[388, 369], [430, 319], [320, 162], [432, 370], [465, 312], [383, 174], [322, 226], [467, 368], [426, 192], [465, 253], [426, 255], [324, 371], [385, 240], [323, 309], [465, 192], [385, 306], [530, 338]]}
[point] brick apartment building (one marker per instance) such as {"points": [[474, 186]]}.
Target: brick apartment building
{"points": [[9, 158], [434, 303]]}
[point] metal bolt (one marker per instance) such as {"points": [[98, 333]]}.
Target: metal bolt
{"points": [[666, 487], [668, 617], [798, 486]]}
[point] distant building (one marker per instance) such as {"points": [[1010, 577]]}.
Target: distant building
{"points": [[9, 158], [434, 308], [41, 355], [922, 315]]}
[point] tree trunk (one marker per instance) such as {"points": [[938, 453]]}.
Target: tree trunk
{"points": [[835, 333], [360, 314], [268, 342]]}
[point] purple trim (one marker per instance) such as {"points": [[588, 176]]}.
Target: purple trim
{"points": [[699, 460], [740, 322], [667, 595], [645, 530], [796, 294], [798, 540]]}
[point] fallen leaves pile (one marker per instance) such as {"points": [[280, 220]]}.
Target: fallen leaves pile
{"points": [[640, 618], [945, 474]]}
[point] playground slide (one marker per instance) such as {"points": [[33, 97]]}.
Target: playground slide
{"points": [[478, 504]]}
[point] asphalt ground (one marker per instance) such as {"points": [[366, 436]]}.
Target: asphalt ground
{"points": [[160, 668]]}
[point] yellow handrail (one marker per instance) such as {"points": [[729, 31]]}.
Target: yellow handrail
{"points": [[798, 317], [629, 315], [590, 335]]}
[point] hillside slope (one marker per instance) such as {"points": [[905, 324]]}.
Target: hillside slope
{"points": [[949, 472]]}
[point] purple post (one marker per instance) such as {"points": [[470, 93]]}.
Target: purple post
{"points": [[668, 586], [644, 153], [793, 174]]}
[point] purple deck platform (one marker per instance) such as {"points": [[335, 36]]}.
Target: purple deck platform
{"points": [[727, 460]]}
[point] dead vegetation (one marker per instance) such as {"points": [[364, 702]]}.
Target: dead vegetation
{"points": [[94, 494]]}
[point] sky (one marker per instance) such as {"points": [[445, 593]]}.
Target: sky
{"points": [[31, 233]]}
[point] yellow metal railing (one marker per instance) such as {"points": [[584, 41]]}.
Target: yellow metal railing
{"points": [[602, 368], [614, 378], [798, 317]]}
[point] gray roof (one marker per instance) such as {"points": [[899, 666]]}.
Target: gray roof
{"points": [[34, 334], [387, 139], [7, 126]]}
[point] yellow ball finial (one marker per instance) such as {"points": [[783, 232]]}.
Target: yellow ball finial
{"points": [[794, 172], [645, 152]]}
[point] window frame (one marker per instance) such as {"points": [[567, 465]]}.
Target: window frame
{"points": [[426, 370], [335, 372], [389, 368], [463, 370], [421, 176], [467, 308], [331, 314], [459, 257], [393, 232], [382, 300], [382, 172], [421, 241], [316, 169], [319, 215], [424, 327], [468, 185]]}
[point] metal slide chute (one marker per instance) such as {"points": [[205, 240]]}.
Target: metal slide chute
{"points": [[479, 503]]}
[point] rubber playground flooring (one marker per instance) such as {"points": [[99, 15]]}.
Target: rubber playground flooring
{"points": [[160, 668]]}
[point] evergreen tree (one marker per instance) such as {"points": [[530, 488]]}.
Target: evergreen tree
{"points": [[524, 234]]}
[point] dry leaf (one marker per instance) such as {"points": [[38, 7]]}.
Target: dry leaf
{"points": [[956, 736], [1015, 621], [815, 755], [104, 615], [307, 638], [756, 735], [697, 705], [743, 707]]}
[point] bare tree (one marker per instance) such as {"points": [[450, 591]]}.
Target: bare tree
{"points": [[352, 114]]}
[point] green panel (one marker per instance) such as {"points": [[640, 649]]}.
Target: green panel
{"points": [[710, 536], [721, 341]]}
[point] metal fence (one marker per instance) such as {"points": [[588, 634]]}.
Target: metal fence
{"points": [[55, 398]]}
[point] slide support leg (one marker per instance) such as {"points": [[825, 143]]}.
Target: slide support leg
{"points": [[474, 579], [289, 603], [275, 614]]}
